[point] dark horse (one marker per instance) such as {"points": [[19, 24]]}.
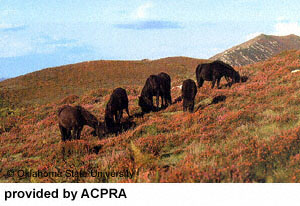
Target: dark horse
{"points": [[165, 89], [114, 109], [188, 93], [74, 118], [158, 86], [214, 71], [150, 89]]}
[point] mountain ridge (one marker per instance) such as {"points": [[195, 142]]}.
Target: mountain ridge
{"points": [[258, 49]]}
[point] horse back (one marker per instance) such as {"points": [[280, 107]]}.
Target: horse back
{"points": [[69, 117], [205, 71], [165, 82], [222, 68], [152, 86], [189, 89], [118, 101]]}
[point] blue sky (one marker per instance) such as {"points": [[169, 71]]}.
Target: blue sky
{"points": [[35, 34]]}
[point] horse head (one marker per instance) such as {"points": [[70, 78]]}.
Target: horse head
{"points": [[236, 78], [100, 130], [146, 104]]}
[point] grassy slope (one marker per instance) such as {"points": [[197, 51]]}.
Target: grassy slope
{"points": [[251, 137], [56, 83]]}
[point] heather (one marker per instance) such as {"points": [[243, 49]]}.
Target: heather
{"points": [[251, 136]]}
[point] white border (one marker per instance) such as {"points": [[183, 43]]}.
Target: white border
{"points": [[166, 194]]}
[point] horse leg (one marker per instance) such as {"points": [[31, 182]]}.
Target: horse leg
{"points": [[127, 111], [166, 99], [74, 133], [152, 104], [115, 117], [213, 82], [63, 133], [184, 105], [169, 98], [163, 101], [200, 83], [191, 107], [120, 115], [227, 79], [69, 136], [218, 82], [78, 132], [116, 122], [157, 100]]}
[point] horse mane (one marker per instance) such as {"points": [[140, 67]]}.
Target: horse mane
{"points": [[234, 73]]}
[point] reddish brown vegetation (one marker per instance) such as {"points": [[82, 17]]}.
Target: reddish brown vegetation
{"points": [[252, 136]]}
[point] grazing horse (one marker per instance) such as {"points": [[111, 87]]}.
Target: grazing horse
{"points": [[114, 109], [165, 88], [150, 89], [214, 71], [188, 93], [74, 118]]}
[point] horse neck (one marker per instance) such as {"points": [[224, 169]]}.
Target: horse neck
{"points": [[144, 91], [230, 73], [92, 123], [90, 119], [147, 93]]}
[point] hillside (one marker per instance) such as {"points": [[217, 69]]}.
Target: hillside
{"points": [[53, 84], [258, 49], [252, 136]]}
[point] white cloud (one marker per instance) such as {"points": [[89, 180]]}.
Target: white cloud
{"points": [[11, 27], [142, 11], [20, 45], [5, 26], [12, 47], [282, 28], [252, 35], [8, 12], [286, 28], [282, 18]]}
